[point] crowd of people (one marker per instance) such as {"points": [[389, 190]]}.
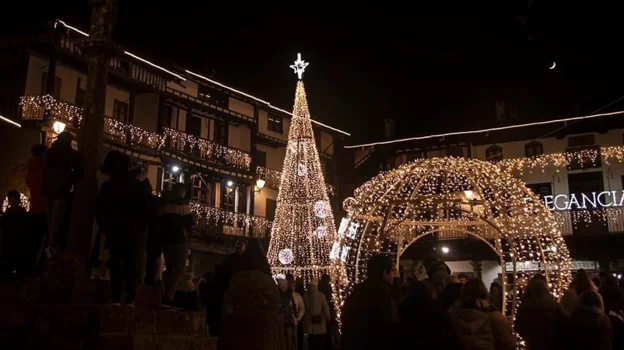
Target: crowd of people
{"points": [[441, 312], [247, 307], [30, 237]]}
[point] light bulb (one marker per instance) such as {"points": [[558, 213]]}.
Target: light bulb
{"points": [[175, 168], [58, 127]]}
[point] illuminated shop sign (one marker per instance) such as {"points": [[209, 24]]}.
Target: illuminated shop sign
{"points": [[593, 200], [537, 265]]}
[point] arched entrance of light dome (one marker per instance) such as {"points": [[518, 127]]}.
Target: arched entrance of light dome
{"points": [[497, 250], [450, 194]]}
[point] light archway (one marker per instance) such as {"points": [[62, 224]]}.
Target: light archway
{"points": [[445, 197]]}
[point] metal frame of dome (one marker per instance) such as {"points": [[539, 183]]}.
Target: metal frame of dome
{"points": [[450, 196]]}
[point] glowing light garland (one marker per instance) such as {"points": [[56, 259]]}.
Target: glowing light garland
{"points": [[209, 216], [23, 199], [208, 149], [484, 131], [428, 196], [56, 109], [273, 177], [296, 225]]}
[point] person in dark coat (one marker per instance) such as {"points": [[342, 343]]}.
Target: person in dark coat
{"points": [[540, 319], [122, 214], [613, 298], [424, 321], [253, 258], [369, 314], [63, 170], [175, 219], [589, 327], [477, 323]]}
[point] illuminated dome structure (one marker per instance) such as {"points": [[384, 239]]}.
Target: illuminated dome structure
{"points": [[451, 197]]}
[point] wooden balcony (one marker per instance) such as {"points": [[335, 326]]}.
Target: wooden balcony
{"points": [[211, 221], [204, 104], [206, 149]]}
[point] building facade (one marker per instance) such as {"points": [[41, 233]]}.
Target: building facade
{"points": [[226, 145], [577, 171]]}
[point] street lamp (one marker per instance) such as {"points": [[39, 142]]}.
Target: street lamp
{"points": [[58, 127], [260, 185]]}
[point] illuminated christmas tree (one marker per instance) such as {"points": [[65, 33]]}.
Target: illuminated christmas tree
{"points": [[303, 231]]}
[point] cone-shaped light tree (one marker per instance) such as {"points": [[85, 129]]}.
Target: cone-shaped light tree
{"points": [[303, 230]]}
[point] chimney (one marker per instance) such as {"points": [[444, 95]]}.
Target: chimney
{"points": [[389, 128]]}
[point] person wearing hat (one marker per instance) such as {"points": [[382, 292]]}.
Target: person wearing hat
{"points": [[316, 316]]}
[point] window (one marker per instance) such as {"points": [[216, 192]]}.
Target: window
{"points": [[580, 141], [56, 89], [261, 158], [275, 124], [221, 133], [193, 125], [203, 93], [271, 205], [228, 196], [410, 156], [494, 153], [541, 189], [587, 183], [81, 95], [533, 149], [201, 192], [120, 111], [455, 151]]}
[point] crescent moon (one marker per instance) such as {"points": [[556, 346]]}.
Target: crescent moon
{"points": [[553, 65]]}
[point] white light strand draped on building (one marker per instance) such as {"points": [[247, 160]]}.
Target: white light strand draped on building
{"points": [[303, 229]]}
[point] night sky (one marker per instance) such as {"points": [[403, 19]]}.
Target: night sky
{"points": [[429, 73]]}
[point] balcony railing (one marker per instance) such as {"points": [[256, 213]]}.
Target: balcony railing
{"points": [[206, 149], [271, 176], [214, 220], [36, 106], [117, 64]]}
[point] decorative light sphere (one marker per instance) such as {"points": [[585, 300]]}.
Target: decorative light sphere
{"points": [[302, 170], [320, 231], [286, 256], [348, 203], [321, 209]]}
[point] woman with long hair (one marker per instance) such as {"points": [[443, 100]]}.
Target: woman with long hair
{"points": [[580, 284]]}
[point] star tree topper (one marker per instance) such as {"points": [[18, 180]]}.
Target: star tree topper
{"points": [[299, 66]]}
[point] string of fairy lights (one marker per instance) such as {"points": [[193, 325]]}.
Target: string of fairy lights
{"points": [[208, 149], [210, 216], [119, 130], [434, 195], [303, 229], [273, 177]]}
